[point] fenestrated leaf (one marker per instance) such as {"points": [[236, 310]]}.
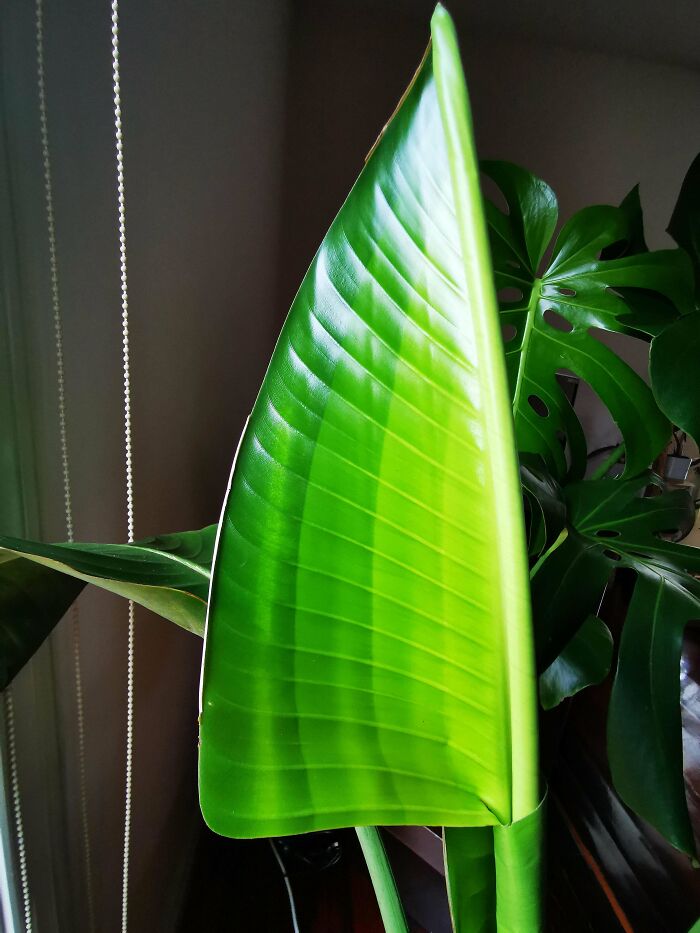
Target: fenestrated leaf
{"points": [[584, 661], [548, 312], [368, 652], [644, 726], [675, 373], [644, 723], [169, 574]]}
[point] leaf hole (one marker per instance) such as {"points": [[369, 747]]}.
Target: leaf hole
{"points": [[510, 294], [538, 406], [557, 321], [509, 332], [612, 555], [567, 292], [607, 533]]}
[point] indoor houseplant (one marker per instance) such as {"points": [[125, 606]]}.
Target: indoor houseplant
{"points": [[371, 572]]}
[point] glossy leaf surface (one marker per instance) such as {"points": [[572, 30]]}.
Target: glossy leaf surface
{"points": [[368, 655], [675, 373], [584, 661], [545, 506], [32, 600], [168, 574], [550, 311]]}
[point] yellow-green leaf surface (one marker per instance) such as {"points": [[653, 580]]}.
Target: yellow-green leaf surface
{"points": [[368, 655]]}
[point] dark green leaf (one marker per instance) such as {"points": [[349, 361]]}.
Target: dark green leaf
{"points": [[584, 661], [567, 587], [32, 600], [38, 582], [675, 373], [644, 722], [548, 313]]}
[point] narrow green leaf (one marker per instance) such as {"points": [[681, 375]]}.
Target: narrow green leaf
{"points": [[168, 574], [644, 720], [584, 661], [685, 222], [546, 506], [567, 587], [675, 374], [644, 723]]}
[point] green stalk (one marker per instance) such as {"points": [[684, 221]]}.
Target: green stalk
{"points": [[382, 879], [609, 461]]}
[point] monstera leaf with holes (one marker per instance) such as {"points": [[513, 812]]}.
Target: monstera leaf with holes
{"points": [[168, 574], [610, 526], [368, 653], [550, 310]]}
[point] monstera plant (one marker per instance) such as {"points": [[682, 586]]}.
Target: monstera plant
{"points": [[409, 538]]}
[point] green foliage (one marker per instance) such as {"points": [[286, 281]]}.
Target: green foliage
{"points": [[610, 527], [684, 226], [675, 373], [550, 310], [584, 660], [371, 560], [382, 877], [38, 582], [32, 600]]}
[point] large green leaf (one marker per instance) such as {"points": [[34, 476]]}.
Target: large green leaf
{"points": [[368, 652], [548, 311], [169, 574], [611, 527], [32, 600]]}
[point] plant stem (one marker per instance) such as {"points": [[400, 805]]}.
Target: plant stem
{"points": [[610, 461], [382, 879]]}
